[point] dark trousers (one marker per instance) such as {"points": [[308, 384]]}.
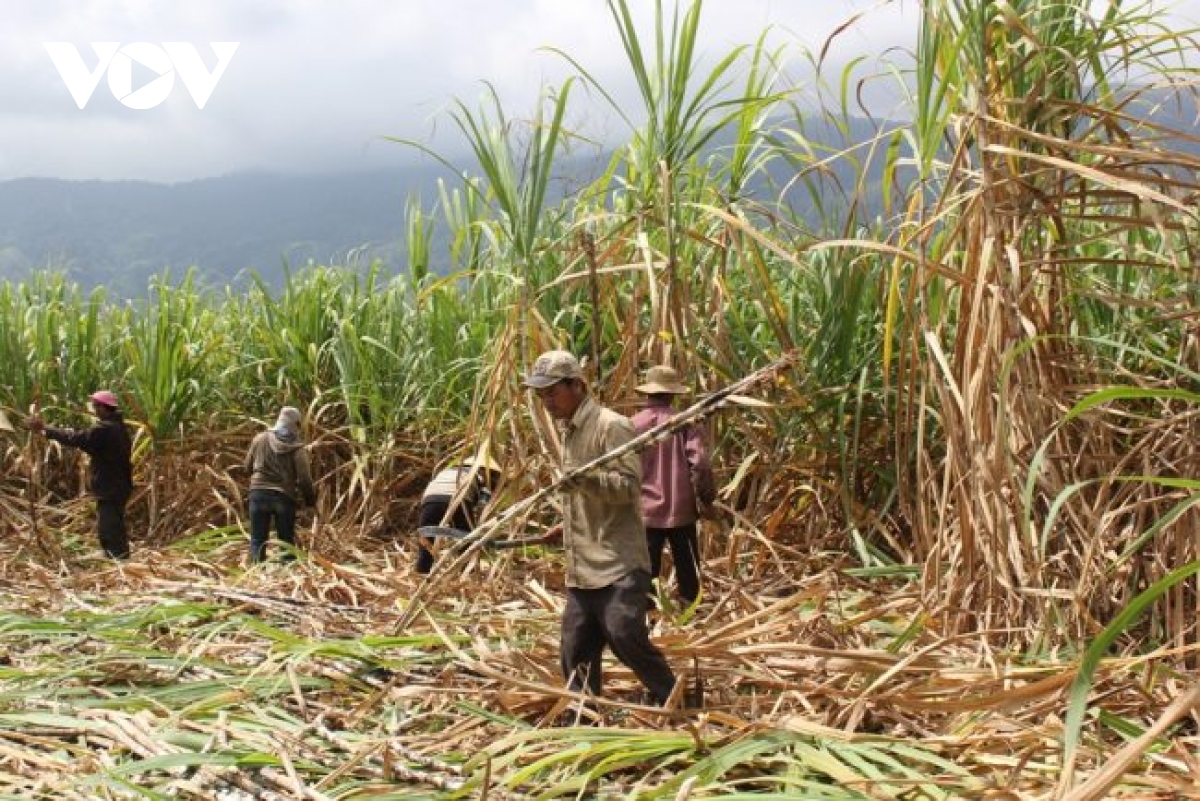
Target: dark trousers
{"points": [[614, 616], [265, 506], [110, 527], [433, 509], [685, 552]]}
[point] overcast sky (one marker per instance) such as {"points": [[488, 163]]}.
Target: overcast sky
{"points": [[315, 86]]}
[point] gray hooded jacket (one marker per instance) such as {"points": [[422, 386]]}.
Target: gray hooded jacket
{"points": [[282, 466]]}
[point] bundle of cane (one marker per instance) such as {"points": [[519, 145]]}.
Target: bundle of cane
{"points": [[491, 529]]}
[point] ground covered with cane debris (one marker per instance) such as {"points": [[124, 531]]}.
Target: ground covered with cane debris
{"points": [[960, 557], [183, 674]]}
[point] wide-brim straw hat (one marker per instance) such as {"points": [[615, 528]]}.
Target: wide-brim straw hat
{"points": [[662, 380]]}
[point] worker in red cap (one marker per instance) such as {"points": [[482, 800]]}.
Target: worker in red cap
{"points": [[109, 446]]}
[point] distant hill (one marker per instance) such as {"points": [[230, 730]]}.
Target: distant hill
{"points": [[119, 233]]}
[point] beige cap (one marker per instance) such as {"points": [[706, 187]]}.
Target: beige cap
{"points": [[551, 367], [662, 380], [482, 459]]}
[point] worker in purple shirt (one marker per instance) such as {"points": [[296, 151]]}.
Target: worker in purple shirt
{"points": [[677, 482]]}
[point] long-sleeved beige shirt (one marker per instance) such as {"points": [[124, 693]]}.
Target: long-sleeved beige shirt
{"points": [[602, 519]]}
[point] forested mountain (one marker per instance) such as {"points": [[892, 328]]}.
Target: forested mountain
{"points": [[118, 233]]}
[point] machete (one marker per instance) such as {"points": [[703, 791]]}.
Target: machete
{"points": [[448, 533]]}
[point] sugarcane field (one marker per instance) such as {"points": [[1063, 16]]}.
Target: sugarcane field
{"points": [[790, 447]]}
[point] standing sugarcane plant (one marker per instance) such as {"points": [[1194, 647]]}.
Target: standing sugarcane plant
{"points": [[168, 352], [515, 250], [1028, 165], [654, 184], [60, 338]]}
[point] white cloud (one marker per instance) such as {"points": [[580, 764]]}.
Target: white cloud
{"points": [[314, 85]]}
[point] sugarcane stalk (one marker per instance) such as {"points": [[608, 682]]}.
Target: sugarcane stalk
{"points": [[316, 529], [491, 529], [589, 249], [48, 545]]}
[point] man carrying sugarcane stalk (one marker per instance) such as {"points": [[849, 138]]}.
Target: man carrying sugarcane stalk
{"points": [[109, 448], [616, 456], [607, 561]]}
